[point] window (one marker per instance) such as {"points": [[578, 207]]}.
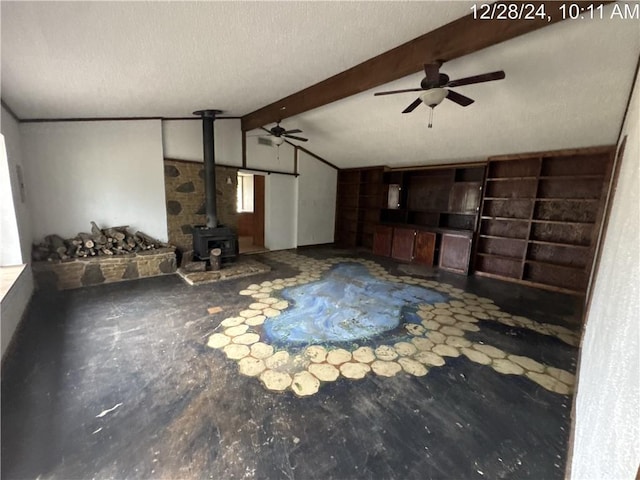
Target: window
{"points": [[245, 192]]}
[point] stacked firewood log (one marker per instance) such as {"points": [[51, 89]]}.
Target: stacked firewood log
{"points": [[107, 241]]}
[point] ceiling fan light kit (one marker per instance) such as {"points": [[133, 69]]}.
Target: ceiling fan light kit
{"points": [[434, 91], [279, 134]]}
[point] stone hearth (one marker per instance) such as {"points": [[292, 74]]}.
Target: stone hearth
{"points": [[242, 267]]}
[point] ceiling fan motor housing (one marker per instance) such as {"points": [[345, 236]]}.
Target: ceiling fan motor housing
{"points": [[442, 81]]}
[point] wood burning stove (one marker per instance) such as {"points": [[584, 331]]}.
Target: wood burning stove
{"points": [[212, 235]]}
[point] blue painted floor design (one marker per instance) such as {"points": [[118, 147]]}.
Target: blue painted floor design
{"points": [[347, 305]]}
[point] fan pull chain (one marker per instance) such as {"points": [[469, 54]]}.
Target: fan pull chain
{"points": [[431, 117]]}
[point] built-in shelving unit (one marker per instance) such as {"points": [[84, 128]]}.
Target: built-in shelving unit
{"points": [[432, 216], [540, 217], [359, 201]]}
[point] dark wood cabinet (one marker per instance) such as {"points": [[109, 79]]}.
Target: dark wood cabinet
{"points": [[402, 244], [455, 252], [424, 248], [382, 240], [541, 214]]}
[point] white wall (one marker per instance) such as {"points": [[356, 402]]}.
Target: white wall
{"points": [[182, 140], [280, 211], [607, 410], [268, 157], [108, 171], [316, 201], [10, 253], [10, 131], [14, 302]]}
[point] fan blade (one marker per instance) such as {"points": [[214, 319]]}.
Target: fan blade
{"points": [[432, 71], [391, 92], [485, 77], [295, 130], [267, 130], [459, 99], [296, 138], [413, 106]]}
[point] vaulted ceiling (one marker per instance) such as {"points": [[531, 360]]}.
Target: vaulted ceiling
{"points": [[566, 84]]}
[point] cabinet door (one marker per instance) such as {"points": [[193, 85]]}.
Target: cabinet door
{"points": [[382, 240], [402, 245], [454, 253], [424, 249]]}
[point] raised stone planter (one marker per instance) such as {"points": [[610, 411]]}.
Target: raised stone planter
{"points": [[83, 272]]}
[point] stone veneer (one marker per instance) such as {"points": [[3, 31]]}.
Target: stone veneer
{"points": [[184, 191], [82, 272]]}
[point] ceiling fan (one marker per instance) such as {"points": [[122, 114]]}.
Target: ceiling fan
{"points": [[434, 87], [279, 134]]}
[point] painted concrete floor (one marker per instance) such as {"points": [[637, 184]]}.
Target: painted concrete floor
{"points": [[140, 380]]}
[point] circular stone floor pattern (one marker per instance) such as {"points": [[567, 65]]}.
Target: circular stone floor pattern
{"points": [[293, 335]]}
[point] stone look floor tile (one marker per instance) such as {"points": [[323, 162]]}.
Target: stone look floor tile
{"points": [[354, 371], [422, 344], [413, 367], [277, 360], [258, 306], [436, 337], [232, 321], [562, 375], [249, 313], [451, 331], [476, 356], [251, 366], [246, 339], [385, 368], [429, 358], [316, 353], [458, 342], [364, 355], [338, 356], [276, 381], [446, 351], [270, 312], [490, 350], [255, 321], [386, 353], [405, 349], [237, 330], [304, 383], [261, 350], [236, 352], [548, 382], [527, 363], [324, 371], [507, 367], [218, 340]]}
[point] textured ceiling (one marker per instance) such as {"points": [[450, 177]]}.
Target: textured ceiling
{"points": [[97, 59], [567, 84]]}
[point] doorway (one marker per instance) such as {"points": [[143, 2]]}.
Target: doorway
{"points": [[250, 207]]}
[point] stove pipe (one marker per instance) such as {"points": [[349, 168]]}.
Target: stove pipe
{"points": [[208, 117]]}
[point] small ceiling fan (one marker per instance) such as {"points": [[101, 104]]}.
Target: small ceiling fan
{"points": [[279, 134], [434, 87]]}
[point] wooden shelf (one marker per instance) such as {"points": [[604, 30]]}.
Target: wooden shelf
{"points": [[560, 222], [547, 206], [509, 179], [507, 219], [503, 238], [554, 265], [501, 257], [559, 244]]}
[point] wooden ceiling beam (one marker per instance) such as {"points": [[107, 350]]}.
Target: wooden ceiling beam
{"points": [[453, 40]]}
